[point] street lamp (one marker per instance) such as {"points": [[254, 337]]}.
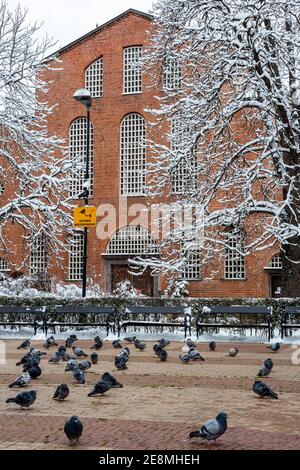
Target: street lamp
{"points": [[83, 96]]}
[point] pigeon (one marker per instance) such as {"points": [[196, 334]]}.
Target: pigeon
{"points": [[120, 363], [212, 345], [24, 399], [21, 381], [163, 343], [163, 355], [185, 349], [84, 365], [265, 368], [35, 352], [212, 429], [78, 375], [232, 352], [190, 343], [78, 352], [100, 388], [130, 339], [61, 392], [94, 358], [65, 356], [69, 341], [98, 345], [55, 358], [109, 378], [61, 350], [24, 345], [185, 358], [50, 342], [73, 429], [31, 362], [140, 346], [72, 364], [116, 344], [74, 338], [274, 347], [195, 355], [24, 359], [157, 349], [263, 390], [34, 372], [97, 339]]}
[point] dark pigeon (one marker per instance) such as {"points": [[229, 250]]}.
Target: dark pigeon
{"points": [[78, 375], [212, 345], [100, 388], [24, 399], [21, 381], [78, 352], [73, 429], [69, 341], [72, 364], [157, 350], [120, 363], [195, 355], [140, 346], [34, 372], [163, 343], [109, 378], [163, 356], [212, 429], [61, 392], [24, 345], [265, 368], [62, 350], [190, 343], [263, 390], [185, 358], [130, 339], [84, 365], [97, 345], [50, 342], [274, 347], [94, 358], [116, 344]]}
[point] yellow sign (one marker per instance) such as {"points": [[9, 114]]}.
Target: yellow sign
{"points": [[85, 216]]}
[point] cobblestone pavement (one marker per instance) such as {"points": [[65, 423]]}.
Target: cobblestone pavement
{"points": [[160, 402]]}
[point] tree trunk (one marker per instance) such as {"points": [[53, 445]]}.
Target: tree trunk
{"points": [[290, 270]]}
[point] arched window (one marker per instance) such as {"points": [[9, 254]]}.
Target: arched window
{"points": [[77, 146], [276, 262], [75, 257], [132, 240], [3, 265], [94, 78], [234, 265], [132, 69], [38, 255], [133, 155], [172, 74]]}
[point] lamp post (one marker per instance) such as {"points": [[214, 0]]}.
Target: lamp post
{"points": [[83, 96]]}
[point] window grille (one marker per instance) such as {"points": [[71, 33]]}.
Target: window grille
{"points": [[234, 259], [132, 69], [4, 265], [192, 265], [132, 240], [172, 74], [75, 257], [276, 262], [38, 256], [77, 146], [94, 78]]}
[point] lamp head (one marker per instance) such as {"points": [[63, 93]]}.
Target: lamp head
{"points": [[83, 96]]}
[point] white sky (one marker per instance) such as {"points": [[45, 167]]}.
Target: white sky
{"points": [[67, 20]]}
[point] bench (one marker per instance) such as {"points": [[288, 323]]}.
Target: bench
{"points": [[286, 320], [77, 317], [212, 318], [22, 316], [153, 316]]}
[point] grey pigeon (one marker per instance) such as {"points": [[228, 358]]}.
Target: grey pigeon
{"points": [[232, 352], [71, 365], [263, 390], [130, 339], [212, 345], [109, 378], [124, 353], [50, 342], [61, 350], [69, 341], [120, 363], [78, 375], [65, 356], [163, 343], [31, 362], [274, 347], [61, 392], [78, 352], [190, 343], [265, 368], [24, 345], [36, 352], [55, 358], [100, 388], [195, 355], [213, 428], [94, 358], [157, 349], [85, 365], [140, 346], [116, 344], [34, 372], [24, 399], [98, 343], [21, 381], [185, 358], [73, 429]]}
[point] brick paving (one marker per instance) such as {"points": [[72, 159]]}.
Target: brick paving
{"points": [[160, 402]]}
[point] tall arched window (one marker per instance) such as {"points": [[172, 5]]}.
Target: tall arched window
{"points": [[133, 155], [38, 255], [77, 146], [94, 78], [132, 240], [75, 257]]}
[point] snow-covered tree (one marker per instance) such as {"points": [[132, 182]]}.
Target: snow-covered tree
{"points": [[229, 71], [34, 167]]}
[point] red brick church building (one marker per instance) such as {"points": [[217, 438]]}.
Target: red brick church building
{"points": [[101, 62]]}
